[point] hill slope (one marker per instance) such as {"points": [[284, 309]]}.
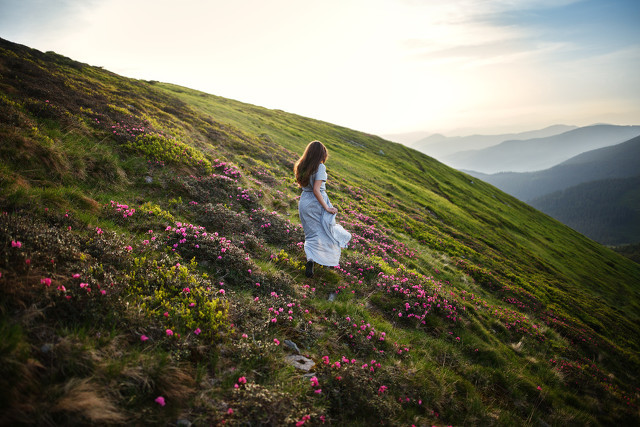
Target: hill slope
{"points": [[541, 153], [152, 271], [607, 211], [618, 161]]}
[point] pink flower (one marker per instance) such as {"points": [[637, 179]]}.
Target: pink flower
{"points": [[245, 336], [303, 420], [314, 382], [166, 314], [16, 244], [186, 290], [382, 389], [128, 248], [539, 388], [75, 276], [275, 340], [46, 281], [103, 292], [242, 380], [62, 288], [169, 332], [197, 331], [143, 338], [160, 401], [230, 411], [317, 391], [221, 291]]}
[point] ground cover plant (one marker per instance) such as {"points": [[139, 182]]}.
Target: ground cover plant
{"points": [[152, 272]]}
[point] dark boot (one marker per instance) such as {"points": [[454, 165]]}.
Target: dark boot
{"points": [[309, 269]]}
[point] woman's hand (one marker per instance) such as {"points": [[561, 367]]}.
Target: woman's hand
{"points": [[332, 210]]}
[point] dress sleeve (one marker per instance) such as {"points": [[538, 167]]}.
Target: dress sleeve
{"points": [[321, 173]]}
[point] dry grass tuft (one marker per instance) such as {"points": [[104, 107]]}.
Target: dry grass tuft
{"points": [[81, 397]]}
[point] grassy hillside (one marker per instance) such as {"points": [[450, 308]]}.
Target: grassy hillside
{"points": [[152, 272]]}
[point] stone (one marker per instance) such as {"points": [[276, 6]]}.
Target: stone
{"points": [[292, 345], [332, 296], [300, 362]]}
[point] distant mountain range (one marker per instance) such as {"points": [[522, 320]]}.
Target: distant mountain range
{"points": [[439, 146], [618, 161], [596, 192], [540, 153]]}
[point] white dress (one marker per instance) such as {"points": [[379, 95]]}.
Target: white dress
{"points": [[323, 238]]}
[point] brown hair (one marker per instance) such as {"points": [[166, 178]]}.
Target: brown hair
{"points": [[314, 154]]}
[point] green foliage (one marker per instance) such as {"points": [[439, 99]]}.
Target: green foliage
{"points": [[163, 149]]}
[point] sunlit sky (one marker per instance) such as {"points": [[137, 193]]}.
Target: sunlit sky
{"points": [[379, 66]]}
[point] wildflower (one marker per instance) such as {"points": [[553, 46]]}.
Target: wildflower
{"points": [[242, 380], [143, 338], [314, 381], [197, 331], [46, 281], [103, 292], [169, 332], [160, 401], [75, 276], [16, 244], [382, 389], [166, 314], [129, 248], [222, 291], [303, 420], [186, 290], [230, 411], [245, 336], [60, 288], [275, 340], [317, 391]]}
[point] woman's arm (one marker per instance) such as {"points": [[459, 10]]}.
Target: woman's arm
{"points": [[318, 194]]}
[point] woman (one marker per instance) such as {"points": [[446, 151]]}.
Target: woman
{"points": [[323, 238]]}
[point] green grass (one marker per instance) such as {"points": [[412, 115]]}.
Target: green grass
{"points": [[477, 308]]}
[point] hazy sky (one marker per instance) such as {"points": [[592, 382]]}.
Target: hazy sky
{"points": [[379, 66]]}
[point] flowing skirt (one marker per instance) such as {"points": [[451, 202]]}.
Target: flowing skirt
{"points": [[323, 238]]}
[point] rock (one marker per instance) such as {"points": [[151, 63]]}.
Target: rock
{"points": [[148, 179], [332, 296], [381, 152], [292, 345], [183, 423], [300, 362]]}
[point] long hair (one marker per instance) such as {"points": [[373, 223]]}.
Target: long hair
{"points": [[313, 155]]}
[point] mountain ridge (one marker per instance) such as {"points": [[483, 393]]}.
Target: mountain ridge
{"points": [[152, 231], [617, 161], [434, 145], [541, 153]]}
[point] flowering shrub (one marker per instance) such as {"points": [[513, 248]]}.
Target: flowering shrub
{"points": [[222, 219], [170, 151], [216, 188], [354, 393], [188, 299], [275, 229]]}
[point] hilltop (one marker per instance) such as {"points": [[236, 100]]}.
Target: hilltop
{"points": [[152, 273]]}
